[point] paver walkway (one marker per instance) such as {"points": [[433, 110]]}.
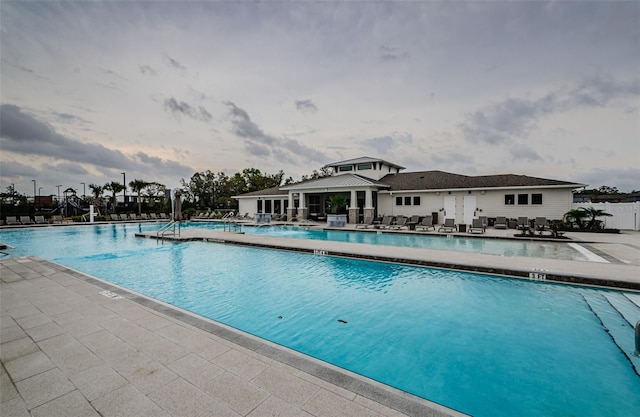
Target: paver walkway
{"points": [[71, 348]]}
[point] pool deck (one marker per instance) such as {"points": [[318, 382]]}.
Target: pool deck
{"points": [[74, 345]]}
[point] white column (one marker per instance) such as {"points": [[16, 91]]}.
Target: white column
{"points": [[302, 205], [354, 199], [290, 200], [368, 199]]}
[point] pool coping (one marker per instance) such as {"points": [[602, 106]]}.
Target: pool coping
{"points": [[348, 250], [394, 398]]}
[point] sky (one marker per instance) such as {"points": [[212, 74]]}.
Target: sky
{"points": [[161, 90]]}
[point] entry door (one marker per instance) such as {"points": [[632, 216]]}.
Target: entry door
{"points": [[450, 207], [469, 208]]}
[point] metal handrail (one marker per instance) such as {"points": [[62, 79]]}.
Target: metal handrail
{"points": [[164, 230]]}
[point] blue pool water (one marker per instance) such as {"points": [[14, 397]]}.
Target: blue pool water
{"points": [[536, 249], [484, 345]]}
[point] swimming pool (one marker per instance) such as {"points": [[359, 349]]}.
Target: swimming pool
{"points": [[485, 345], [504, 247]]}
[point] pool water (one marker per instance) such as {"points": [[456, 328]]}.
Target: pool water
{"points": [[481, 344], [536, 249]]}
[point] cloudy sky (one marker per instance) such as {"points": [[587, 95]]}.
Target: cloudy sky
{"points": [[160, 90]]}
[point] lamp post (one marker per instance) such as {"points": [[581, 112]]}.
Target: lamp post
{"points": [[39, 188], [124, 191], [34, 194], [13, 194], [84, 191], [60, 185]]}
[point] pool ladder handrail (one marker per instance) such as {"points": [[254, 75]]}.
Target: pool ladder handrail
{"points": [[229, 223], [168, 228]]}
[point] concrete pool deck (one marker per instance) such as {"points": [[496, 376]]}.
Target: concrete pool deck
{"points": [[71, 346]]}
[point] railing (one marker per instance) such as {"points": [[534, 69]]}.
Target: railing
{"points": [[229, 223], [168, 229]]}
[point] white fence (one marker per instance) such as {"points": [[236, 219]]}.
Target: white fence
{"points": [[625, 216]]}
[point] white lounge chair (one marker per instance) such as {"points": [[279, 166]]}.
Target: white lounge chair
{"points": [[426, 223], [476, 226], [25, 220], [12, 220], [400, 223], [501, 223], [40, 220], [366, 223]]}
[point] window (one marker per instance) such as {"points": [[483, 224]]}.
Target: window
{"points": [[345, 168], [267, 206], [536, 198], [362, 167], [398, 201], [259, 206], [416, 201], [314, 204], [407, 201], [509, 199], [523, 199]]}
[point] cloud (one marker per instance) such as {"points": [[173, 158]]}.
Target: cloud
{"points": [[147, 70], [625, 179], [514, 118], [259, 143], [384, 144], [389, 54], [181, 108], [174, 63], [23, 134], [306, 106], [524, 152]]}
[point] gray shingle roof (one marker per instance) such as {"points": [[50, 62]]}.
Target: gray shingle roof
{"points": [[438, 180]]}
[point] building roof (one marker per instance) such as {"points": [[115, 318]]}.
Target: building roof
{"points": [[439, 180], [273, 191], [362, 160], [337, 181]]}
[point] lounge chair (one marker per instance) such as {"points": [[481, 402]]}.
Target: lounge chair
{"points": [[541, 224], [12, 220], [523, 223], [123, 217], [501, 223], [57, 218], [115, 217], [25, 220], [40, 220], [366, 223], [426, 223], [449, 226], [163, 216], [385, 223], [153, 216], [484, 221], [144, 216], [400, 223], [476, 226]]}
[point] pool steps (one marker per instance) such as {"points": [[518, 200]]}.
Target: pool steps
{"points": [[618, 315]]}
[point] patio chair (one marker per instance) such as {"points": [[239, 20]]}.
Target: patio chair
{"points": [[484, 221], [501, 223], [449, 226], [144, 216], [366, 223], [40, 220], [385, 223], [541, 224], [12, 220], [25, 220], [163, 216], [115, 217], [123, 217], [523, 223], [153, 216], [400, 223], [57, 218], [426, 223], [476, 226]]}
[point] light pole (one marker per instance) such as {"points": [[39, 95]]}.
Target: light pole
{"points": [[39, 188], [60, 185], [34, 193], [124, 191], [84, 191]]}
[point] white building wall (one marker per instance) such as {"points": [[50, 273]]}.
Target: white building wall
{"points": [[247, 205], [490, 203]]}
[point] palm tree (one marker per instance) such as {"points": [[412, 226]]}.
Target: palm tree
{"points": [[576, 217], [594, 212], [138, 186], [96, 190], [115, 187]]}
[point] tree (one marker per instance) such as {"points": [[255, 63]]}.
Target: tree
{"points": [[115, 187], [576, 217], [96, 191], [324, 172], [155, 193], [593, 213], [337, 202], [200, 188], [137, 186]]}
